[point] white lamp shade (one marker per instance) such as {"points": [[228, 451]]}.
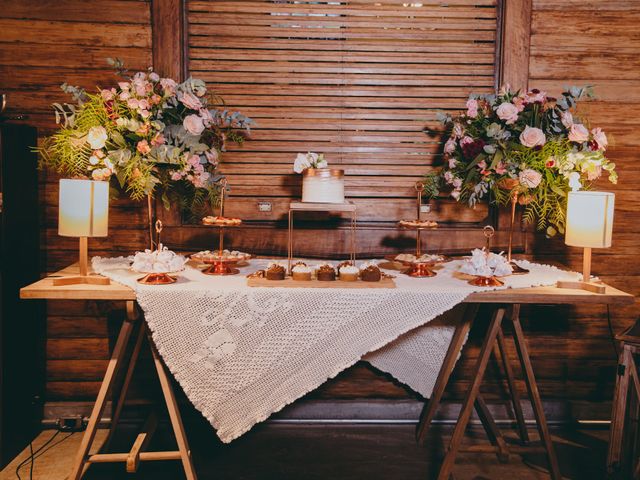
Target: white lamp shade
{"points": [[83, 208], [589, 219]]}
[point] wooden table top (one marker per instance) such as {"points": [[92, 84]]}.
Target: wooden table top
{"points": [[44, 289]]}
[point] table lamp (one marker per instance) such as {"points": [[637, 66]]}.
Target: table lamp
{"points": [[589, 225], [83, 212]]}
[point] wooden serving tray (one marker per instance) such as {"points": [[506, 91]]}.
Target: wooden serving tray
{"points": [[291, 283]]}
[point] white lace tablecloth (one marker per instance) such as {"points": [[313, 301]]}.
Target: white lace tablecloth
{"points": [[243, 353]]}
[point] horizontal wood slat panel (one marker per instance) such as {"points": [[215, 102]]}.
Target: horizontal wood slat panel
{"points": [[357, 81]]}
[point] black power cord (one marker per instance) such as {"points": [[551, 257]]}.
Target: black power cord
{"points": [[613, 336], [33, 455]]}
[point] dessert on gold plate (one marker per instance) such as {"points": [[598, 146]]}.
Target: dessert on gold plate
{"points": [[233, 256], [275, 271], [417, 224], [348, 273], [325, 272], [221, 221], [301, 271], [370, 272]]}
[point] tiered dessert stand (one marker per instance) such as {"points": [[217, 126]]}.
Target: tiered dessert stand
{"points": [[492, 281], [219, 264], [419, 269]]}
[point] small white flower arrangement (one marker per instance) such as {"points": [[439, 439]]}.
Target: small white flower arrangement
{"points": [[483, 264], [161, 260], [309, 160]]}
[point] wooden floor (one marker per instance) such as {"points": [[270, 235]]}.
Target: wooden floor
{"points": [[336, 452]]}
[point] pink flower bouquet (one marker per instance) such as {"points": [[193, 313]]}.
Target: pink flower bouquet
{"points": [[147, 132], [523, 143]]}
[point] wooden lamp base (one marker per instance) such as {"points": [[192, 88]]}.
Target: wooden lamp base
{"points": [[84, 277], [585, 284]]}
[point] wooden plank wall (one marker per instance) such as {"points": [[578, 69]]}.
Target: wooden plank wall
{"points": [[44, 43]]}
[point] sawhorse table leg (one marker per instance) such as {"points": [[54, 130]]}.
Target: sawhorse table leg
{"points": [[493, 338], [117, 361]]}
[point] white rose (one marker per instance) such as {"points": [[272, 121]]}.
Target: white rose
{"points": [[97, 137], [507, 112], [301, 163], [532, 137], [193, 124]]}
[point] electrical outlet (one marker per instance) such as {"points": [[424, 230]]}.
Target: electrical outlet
{"points": [[425, 208], [264, 207], [71, 424]]}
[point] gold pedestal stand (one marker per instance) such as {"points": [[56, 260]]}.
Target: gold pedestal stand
{"points": [[220, 265], [419, 269], [321, 207]]}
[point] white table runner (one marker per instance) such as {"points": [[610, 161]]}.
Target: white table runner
{"points": [[243, 353]]}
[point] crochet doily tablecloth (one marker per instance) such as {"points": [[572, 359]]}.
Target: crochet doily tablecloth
{"points": [[242, 353]]}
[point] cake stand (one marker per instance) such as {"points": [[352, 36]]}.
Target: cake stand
{"points": [[219, 264], [322, 207], [419, 269]]}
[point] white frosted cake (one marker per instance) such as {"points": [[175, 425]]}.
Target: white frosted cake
{"points": [[323, 185]]}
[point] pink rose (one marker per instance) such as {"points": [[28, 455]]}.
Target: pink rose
{"points": [[530, 178], [193, 160], [452, 162], [507, 112], [158, 140], [448, 177], [193, 124], [133, 103], [107, 94], [190, 100], [212, 156], [532, 137], [175, 176], [124, 85], [124, 95], [578, 133], [168, 85], [534, 96], [143, 147], [566, 118], [466, 140], [207, 118], [472, 108], [482, 165], [600, 138], [450, 146]]}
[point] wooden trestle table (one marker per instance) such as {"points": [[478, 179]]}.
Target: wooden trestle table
{"points": [[507, 303]]}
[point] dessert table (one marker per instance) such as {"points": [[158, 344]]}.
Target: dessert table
{"points": [[507, 302]]}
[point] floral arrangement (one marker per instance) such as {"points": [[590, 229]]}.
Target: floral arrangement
{"points": [[521, 143], [309, 160], [483, 264], [146, 132]]}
